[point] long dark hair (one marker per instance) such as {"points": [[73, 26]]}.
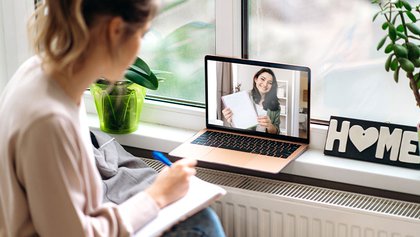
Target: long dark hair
{"points": [[271, 100]]}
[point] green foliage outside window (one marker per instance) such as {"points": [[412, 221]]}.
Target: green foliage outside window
{"points": [[181, 35]]}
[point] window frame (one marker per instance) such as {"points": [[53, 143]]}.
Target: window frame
{"points": [[228, 43]]}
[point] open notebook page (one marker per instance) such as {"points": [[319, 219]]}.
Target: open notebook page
{"points": [[200, 195]]}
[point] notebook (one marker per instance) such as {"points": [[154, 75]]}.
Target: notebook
{"points": [[280, 103], [200, 195]]}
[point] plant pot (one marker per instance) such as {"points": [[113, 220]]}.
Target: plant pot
{"points": [[118, 106]]}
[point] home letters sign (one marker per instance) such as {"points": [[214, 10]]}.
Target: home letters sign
{"points": [[384, 143]]}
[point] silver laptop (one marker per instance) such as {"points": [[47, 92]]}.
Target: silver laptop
{"points": [[257, 115]]}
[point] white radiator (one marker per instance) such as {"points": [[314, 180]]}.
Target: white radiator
{"points": [[258, 207]]}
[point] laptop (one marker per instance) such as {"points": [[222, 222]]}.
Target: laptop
{"points": [[257, 115]]}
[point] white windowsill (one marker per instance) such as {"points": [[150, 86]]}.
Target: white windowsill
{"points": [[312, 163]]}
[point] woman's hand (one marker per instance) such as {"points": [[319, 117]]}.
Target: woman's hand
{"points": [[172, 183], [265, 122], [227, 113]]}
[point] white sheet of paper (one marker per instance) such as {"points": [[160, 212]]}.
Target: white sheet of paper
{"points": [[244, 114], [200, 195]]}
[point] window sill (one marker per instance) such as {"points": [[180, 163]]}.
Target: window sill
{"points": [[149, 136], [311, 164]]}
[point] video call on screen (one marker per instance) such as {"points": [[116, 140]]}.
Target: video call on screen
{"points": [[233, 85]]}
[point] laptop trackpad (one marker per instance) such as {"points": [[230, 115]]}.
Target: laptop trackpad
{"points": [[188, 150], [229, 157]]}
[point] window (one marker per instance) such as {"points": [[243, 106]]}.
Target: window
{"points": [[181, 34], [14, 47], [337, 40]]}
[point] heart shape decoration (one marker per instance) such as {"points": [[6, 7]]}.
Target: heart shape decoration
{"points": [[361, 138]]}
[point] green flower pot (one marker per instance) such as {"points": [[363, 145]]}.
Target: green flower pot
{"points": [[118, 106]]}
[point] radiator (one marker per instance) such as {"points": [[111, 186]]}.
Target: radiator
{"points": [[258, 207]]}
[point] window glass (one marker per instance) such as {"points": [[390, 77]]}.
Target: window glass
{"points": [[181, 34], [338, 41]]}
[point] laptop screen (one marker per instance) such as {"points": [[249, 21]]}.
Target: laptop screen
{"points": [[258, 98]]}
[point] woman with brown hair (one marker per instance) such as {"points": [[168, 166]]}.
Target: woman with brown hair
{"points": [[50, 185], [266, 102]]}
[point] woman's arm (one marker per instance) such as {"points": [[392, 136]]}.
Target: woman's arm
{"points": [[275, 121], [62, 185]]}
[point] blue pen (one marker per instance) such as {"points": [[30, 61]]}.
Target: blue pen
{"points": [[161, 157]]}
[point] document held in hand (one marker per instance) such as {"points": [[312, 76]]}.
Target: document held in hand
{"points": [[199, 196], [244, 114]]}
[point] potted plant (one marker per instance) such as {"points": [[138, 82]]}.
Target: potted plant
{"points": [[402, 40], [403, 45], [119, 105]]}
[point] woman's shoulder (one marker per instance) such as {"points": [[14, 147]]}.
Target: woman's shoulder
{"points": [[32, 63], [30, 95]]}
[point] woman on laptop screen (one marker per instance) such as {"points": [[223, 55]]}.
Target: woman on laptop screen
{"points": [[265, 101]]}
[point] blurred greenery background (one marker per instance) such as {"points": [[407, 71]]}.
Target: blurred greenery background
{"points": [[175, 47]]}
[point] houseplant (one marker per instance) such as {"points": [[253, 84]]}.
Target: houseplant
{"points": [[119, 105], [402, 40]]}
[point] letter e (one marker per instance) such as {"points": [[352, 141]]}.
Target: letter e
{"points": [[407, 147]]}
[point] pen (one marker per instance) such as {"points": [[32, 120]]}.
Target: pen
{"points": [[161, 157]]}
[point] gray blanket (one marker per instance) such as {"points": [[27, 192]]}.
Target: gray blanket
{"points": [[123, 174]]}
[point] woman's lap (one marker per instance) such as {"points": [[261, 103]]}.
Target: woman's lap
{"points": [[203, 224]]}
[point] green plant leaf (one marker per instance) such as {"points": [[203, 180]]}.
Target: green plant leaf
{"points": [[394, 19], [411, 16], [396, 74], [392, 32], [417, 79], [381, 43], [413, 50], [384, 25], [413, 28], [399, 4], [416, 62], [375, 16], [388, 62], [406, 64], [140, 73], [394, 64], [148, 81], [389, 48], [141, 66], [401, 35], [162, 75], [400, 28], [400, 51], [406, 5]]}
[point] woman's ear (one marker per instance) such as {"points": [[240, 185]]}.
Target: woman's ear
{"points": [[115, 31]]}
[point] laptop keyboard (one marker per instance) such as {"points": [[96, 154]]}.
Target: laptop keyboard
{"points": [[246, 144]]}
